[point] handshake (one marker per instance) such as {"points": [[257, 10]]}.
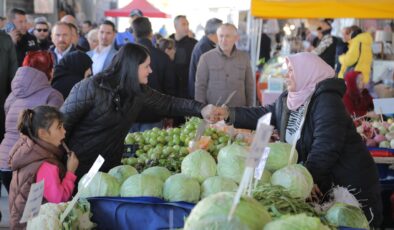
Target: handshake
{"points": [[213, 114]]}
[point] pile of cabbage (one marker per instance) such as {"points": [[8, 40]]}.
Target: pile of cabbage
{"points": [[49, 217], [278, 198]]}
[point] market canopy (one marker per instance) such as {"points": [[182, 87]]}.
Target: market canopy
{"points": [[376, 9], [147, 9]]}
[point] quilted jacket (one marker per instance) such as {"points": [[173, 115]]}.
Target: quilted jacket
{"points": [[98, 118]]}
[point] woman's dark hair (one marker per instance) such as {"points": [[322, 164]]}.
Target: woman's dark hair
{"points": [[41, 117], [355, 30], [124, 67], [166, 43]]}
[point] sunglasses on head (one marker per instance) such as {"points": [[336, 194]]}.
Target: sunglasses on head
{"points": [[42, 30]]}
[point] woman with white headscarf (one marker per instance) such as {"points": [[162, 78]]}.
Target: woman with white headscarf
{"points": [[328, 144]]}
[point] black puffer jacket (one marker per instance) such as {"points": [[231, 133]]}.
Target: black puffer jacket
{"points": [[329, 145], [98, 118]]}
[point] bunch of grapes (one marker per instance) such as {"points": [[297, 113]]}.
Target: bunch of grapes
{"points": [[167, 148]]}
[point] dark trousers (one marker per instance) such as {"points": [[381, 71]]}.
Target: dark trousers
{"points": [[6, 177]]}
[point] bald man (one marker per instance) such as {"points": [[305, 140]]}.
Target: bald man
{"points": [[223, 70], [83, 43]]}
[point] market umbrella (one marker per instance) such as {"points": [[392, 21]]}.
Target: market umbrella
{"points": [[147, 9]]}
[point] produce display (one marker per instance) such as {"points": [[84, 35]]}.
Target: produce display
{"points": [[377, 133], [165, 167], [167, 148]]}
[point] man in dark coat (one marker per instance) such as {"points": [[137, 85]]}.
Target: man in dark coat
{"points": [[8, 66], [41, 32], [206, 43], [184, 48], [162, 77]]}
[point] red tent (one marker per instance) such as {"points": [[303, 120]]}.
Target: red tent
{"points": [[147, 9]]}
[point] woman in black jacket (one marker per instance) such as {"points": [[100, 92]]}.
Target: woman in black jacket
{"points": [[100, 110], [328, 144], [73, 68]]}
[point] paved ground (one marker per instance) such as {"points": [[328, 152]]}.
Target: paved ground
{"points": [[4, 209]]}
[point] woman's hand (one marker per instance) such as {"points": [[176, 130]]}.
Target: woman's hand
{"points": [[72, 162], [213, 114], [316, 194]]}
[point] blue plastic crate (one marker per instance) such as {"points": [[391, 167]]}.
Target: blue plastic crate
{"points": [[148, 213]]}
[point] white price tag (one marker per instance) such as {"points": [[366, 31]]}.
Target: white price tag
{"points": [[33, 202], [88, 178], [258, 172], [260, 140]]}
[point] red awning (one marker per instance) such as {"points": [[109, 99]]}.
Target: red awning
{"points": [[147, 9]]}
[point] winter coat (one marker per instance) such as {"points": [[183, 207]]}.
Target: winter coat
{"points": [[70, 70], [26, 157], [30, 88], [98, 118], [202, 46], [326, 48], [329, 146], [363, 60], [218, 76], [8, 66], [184, 48], [162, 79]]}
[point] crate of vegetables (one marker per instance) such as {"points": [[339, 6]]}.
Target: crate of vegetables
{"points": [[377, 134]]}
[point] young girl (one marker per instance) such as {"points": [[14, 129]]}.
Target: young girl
{"points": [[37, 156]]}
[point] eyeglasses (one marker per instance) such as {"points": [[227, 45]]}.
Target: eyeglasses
{"points": [[42, 30]]}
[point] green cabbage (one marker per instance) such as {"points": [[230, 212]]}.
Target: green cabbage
{"points": [[180, 187], [279, 156], [142, 185], [231, 162], [122, 172], [296, 222], [102, 184], [212, 212], [217, 184], [199, 165], [296, 179], [265, 178], [158, 171], [345, 215]]}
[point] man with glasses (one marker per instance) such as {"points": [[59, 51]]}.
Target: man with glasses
{"points": [[41, 32]]}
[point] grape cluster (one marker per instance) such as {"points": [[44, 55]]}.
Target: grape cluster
{"points": [[167, 148]]}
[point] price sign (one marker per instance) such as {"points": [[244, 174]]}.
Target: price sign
{"points": [[33, 202]]}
